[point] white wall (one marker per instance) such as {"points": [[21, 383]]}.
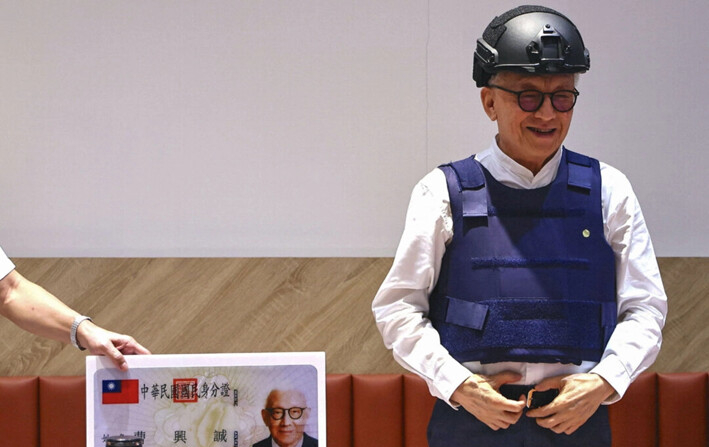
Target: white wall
{"points": [[298, 128]]}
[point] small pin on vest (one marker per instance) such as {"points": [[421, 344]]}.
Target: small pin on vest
{"points": [[586, 233]]}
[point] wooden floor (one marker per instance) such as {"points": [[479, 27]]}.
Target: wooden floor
{"points": [[187, 305]]}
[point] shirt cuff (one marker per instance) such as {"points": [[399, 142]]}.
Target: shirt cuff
{"points": [[612, 370]]}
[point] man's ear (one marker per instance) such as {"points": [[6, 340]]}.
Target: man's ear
{"points": [[487, 97], [265, 416]]}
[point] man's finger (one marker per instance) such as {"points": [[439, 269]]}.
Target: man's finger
{"points": [[511, 406], [116, 357], [550, 383], [497, 380], [542, 412], [137, 348]]}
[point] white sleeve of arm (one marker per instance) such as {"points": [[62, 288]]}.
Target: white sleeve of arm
{"points": [[6, 266], [642, 302], [401, 305]]}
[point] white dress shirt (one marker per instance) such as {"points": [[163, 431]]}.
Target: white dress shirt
{"points": [[401, 305], [6, 266], [298, 444]]}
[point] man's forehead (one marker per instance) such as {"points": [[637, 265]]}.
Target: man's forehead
{"points": [[287, 398], [531, 80]]}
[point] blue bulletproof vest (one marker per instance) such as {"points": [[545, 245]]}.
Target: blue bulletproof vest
{"points": [[528, 275]]}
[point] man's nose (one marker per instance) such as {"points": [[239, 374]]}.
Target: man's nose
{"points": [[286, 419], [547, 110]]}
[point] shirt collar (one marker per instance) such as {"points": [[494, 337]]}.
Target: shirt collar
{"points": [[510, 173], [299, 444]]}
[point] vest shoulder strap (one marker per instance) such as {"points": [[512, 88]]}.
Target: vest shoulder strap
{"points": [[469, 191], [580, 170], [469, 173]]}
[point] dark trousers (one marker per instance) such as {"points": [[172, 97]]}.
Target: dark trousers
{"points": [[451, 428]]}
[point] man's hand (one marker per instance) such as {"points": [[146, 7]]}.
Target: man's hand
{"points": [[479, 395], [579, 397], [99, 341]]}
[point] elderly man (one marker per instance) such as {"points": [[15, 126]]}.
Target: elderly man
{"points": [[525, 289], [286, 415], [34, 309]]}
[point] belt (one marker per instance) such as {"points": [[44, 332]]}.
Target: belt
{"points": [[513, 392], [542, 398]]}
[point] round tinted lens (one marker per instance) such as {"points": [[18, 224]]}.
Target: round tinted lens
{"points": [[277, 413], [563, 101], [530, 100], [295, 413]]}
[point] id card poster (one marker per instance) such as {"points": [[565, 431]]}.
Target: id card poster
{"points": [[207, 400]]}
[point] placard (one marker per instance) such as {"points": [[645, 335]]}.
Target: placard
{"points": [[207, 400]]}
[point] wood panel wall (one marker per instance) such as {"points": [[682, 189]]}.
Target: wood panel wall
{"points": [[184, 305]]}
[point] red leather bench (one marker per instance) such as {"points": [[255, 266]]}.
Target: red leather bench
{"points": [[665, 410]]}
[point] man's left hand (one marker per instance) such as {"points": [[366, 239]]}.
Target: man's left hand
{"points": [[579, 397]]}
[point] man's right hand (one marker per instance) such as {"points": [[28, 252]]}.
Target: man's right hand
{"points": [[480, 396]]}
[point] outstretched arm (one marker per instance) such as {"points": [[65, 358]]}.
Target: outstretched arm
{"points": [[35, 310]]}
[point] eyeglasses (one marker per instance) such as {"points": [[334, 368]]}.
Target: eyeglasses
{"points": [[532, 100], [293, 412]]}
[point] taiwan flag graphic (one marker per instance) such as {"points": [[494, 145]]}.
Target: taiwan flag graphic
{"points": [[120, 391]]}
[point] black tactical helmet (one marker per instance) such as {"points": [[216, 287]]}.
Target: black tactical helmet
{"points": [[529, 39]]}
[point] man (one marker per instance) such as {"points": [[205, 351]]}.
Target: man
{"points": [[34, 309], [286, 415], [527, 267]]}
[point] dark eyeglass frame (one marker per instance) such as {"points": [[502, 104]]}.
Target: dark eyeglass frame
{"points": [[286, 410], [542, 94]]}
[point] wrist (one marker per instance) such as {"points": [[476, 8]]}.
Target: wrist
{"points": [[604, 388], [74, 329], [469, 384]]}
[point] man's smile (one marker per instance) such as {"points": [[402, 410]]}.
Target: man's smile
{"points": [[541, 131]]}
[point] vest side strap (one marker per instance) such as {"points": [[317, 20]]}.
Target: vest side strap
{"points": [[609, 317], [465, 313]]}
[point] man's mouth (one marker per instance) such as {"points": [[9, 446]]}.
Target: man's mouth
{"points": [[542, 131]]}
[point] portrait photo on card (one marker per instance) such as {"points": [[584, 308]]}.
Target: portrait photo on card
{"points": [[209, 400]]}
